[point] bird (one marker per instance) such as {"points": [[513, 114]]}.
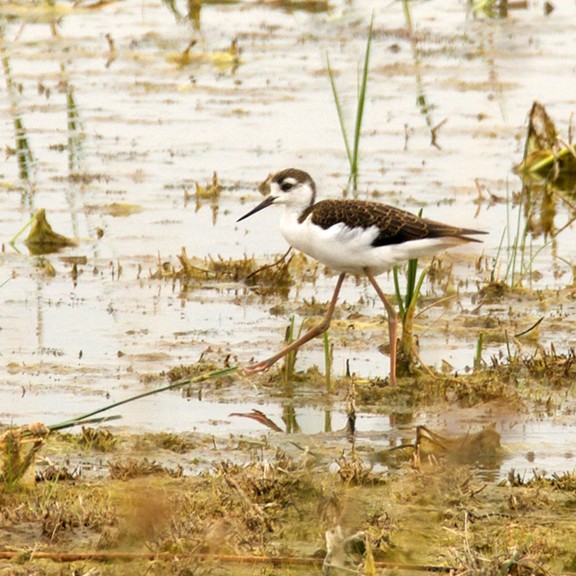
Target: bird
{"points": [[351, 236]]}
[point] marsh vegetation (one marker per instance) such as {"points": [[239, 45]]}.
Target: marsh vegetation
{"points": [[134, 135]]}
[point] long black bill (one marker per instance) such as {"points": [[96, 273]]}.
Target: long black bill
{"points": [[269, 200]]}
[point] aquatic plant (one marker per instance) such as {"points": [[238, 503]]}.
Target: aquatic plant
{"points": [[478, 362], [42, 239], [353, 149], [290, 360], [547, 158], [517, 244], [406, 310], [496, 8], [225, 60], [22, 149], [84, 418], [548, 174], [289, 367], [422, 100], [327, 361]]}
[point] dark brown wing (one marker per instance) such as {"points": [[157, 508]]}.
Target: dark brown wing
{"points": [[396, 225]]}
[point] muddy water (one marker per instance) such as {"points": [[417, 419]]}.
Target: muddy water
{"points": [[110, 114]]}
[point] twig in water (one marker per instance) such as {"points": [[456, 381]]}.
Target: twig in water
{"points": [[267, 266]]}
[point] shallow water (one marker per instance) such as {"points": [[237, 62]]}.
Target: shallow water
{"points": [[132, 127]]}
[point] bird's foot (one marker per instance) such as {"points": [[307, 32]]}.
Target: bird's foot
{"points": [[259, 367]]}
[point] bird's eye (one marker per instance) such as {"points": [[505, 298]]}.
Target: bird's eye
{"points": [[287, 185]]}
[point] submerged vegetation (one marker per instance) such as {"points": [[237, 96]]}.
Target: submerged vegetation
{"points": [[42, 239], [274, 278], [548, 158]]}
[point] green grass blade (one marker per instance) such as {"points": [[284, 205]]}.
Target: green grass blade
{"points": [[418, 286], [172, 386], [498, 254], [361, 101], [327, 362], [411, 270], [339, 111], [21, 231], [290, 360], [407, 15], [412, 290], [398, 293]]}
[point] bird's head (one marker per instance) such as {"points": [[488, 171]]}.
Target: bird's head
{"points": [[291, 187]]}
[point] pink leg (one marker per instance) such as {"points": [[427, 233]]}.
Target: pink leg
{"points": [[392, 324], [316, 331]]}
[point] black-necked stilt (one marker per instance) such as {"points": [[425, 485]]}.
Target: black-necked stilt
{"points": [[352, 237]]}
